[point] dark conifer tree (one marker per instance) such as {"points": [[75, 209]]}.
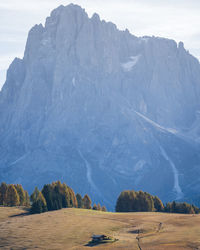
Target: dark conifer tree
{"points": [[149, 202], [3, 190], [65, 196], [87, 202], [174, 207], [47, 192], [196, 209], [21, 194], [79, 200], [99, 207], [104, 209], [12, 197], [168, 207], [34, 195], [159, 207], [57, 195], [94, 207], [187, 208], [73, 201], [27, 199], [131, 201], [39, 205], [182, 208], [123, 202]]}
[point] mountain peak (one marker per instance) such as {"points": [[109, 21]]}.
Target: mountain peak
{"points": [[71, 8], [181, 45], [95, 17], [93, 104], [65, 13]]}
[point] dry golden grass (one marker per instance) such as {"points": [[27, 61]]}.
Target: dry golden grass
{"points": [[6, 212], [72, 229]]}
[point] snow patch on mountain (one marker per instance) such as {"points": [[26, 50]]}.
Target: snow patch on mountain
{"points": [[139, 165], [45, 42], [89, 173], [170, 130], [74, 81], [177, 187], [19, 159], [128, 66]]}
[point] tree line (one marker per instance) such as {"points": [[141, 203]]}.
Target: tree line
{"points": [[86, 203], [53, 196], [132, 201], [13, 195], [57, 196]]}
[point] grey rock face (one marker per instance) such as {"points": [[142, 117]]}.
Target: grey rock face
{"points": [[102, 110]]}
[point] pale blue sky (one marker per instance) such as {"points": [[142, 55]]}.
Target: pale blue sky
{"points": [[176, 19]]}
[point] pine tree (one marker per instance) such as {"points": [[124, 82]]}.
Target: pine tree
{"points": [[79, 200], [57, 195], [73, 200], [65, 196], [39, 205], [158, 204], [126, 202], [99, 207], [131, 201], [150, 203], [47, 192], [27, 199], [167, 208], [120, 205], [196, 209], [94, 207], [173, 207], [87, 202], [104, 209], [12, 197], [3, 191], [145, 202], [21, 194], [34, 195], [186, 208]]}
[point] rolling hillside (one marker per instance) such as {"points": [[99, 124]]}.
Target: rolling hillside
{"points": [[72, 229]]}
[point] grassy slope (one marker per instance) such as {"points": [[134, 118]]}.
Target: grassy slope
{"points": [[72, 228]]}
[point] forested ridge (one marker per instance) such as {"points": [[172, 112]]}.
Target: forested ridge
{"points": [[139, 201], [53, 196], [58, 195]]}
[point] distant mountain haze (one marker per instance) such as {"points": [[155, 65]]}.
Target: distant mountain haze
{"points": [[102, 110]]}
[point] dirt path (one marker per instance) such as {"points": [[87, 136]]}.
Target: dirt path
{"points": [[138, 240], [141, 235]]}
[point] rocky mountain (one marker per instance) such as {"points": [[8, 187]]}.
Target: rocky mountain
{"points": [[102, 110]]}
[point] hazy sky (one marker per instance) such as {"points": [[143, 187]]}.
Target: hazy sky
{"points": [[176, 19]]}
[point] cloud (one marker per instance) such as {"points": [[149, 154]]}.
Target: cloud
{"points": [[22, 5]]}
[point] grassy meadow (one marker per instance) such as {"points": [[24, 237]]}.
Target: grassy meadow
{"points": [[72, 228]]}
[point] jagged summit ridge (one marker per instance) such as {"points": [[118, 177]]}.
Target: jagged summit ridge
{"points": [[101, 109]]}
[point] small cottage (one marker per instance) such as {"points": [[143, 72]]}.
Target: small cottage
{"points": [[97, 238]]}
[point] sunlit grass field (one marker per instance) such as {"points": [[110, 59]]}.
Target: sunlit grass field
{"points": [[73, 228]]}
